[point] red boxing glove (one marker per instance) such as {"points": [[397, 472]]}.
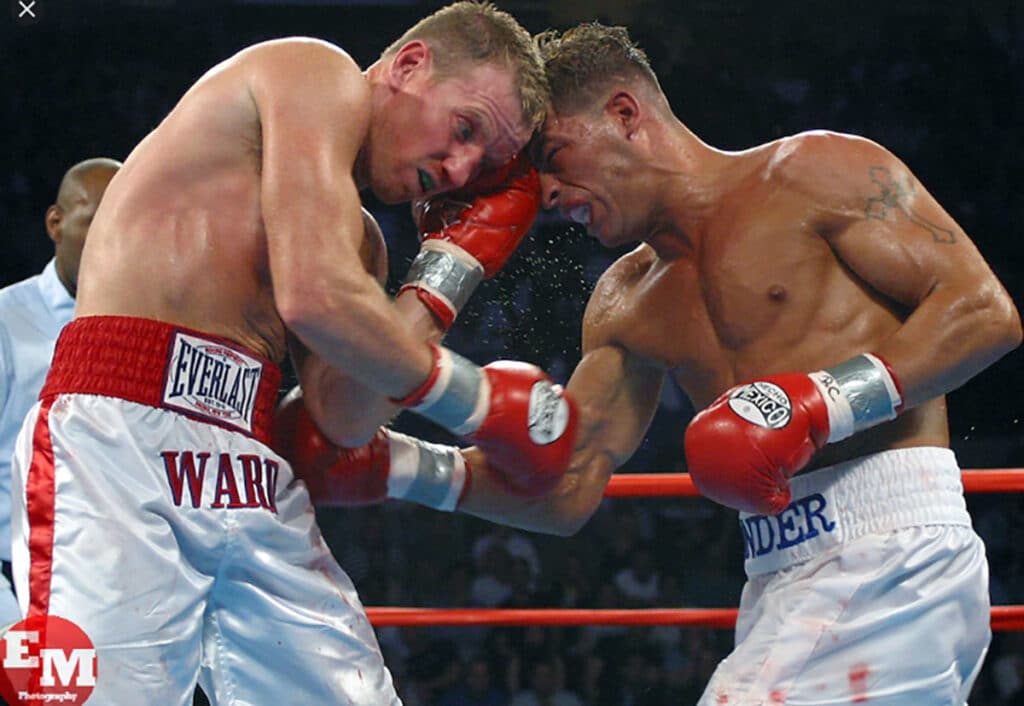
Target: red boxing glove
{"points": [[334, 475], [742, 450], [524, 423], [468, 235], [391, 465], [530, 427]]}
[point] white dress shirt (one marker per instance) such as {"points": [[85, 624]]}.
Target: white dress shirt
{"points": [[32, 313]]}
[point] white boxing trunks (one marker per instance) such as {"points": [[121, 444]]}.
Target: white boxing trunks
{"points": [[149, 510], [870, 587]]}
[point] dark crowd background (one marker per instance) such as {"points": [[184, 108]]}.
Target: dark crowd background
{"points": [[939, 83]]}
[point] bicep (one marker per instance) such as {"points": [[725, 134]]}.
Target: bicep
{"points": [[909, 250], [311, 105], [901, 241]]}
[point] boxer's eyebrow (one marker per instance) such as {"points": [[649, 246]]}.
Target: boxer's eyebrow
{"points": [[500, 139]]}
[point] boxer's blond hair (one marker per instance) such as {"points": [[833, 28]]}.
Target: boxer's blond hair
{"points": [[584, 62], [470, 33]]}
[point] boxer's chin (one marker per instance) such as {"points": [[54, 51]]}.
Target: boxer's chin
{"points": [[389, 194], [387, 188]]}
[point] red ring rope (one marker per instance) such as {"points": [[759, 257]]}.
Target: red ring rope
{"points": [[1007, 617], [636, 485]]}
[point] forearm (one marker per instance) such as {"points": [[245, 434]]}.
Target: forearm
{"points": [[563, 511], [350, 411], [950, 338], [361, 334]]}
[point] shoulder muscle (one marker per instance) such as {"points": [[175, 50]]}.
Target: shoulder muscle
{"points": [[308, 84], [603, 313], [844, 173]]}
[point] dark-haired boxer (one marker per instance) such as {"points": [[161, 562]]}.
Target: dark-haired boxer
{"points": [[817, 303], [233, 232]]}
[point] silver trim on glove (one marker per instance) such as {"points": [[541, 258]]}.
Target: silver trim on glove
{"points": [[859, 393], [425, 473], [458, 400], [439, 269]]}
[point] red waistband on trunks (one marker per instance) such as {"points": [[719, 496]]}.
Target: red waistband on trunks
{"points": [[202, 376]]}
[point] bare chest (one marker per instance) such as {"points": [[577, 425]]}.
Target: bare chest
{"points": [[761, 279], [749, 300]]}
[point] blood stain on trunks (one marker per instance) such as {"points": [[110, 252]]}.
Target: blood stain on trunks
{"points": [[777, 697], [722, 698], [858, 677]]}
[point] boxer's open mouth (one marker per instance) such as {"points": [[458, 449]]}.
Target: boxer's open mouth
{"points": [[580, 214]]}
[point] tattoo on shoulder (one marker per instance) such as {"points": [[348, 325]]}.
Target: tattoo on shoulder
{"points": [[893, 194]]}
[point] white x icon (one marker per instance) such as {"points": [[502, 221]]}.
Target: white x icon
{"points": [[26, 9]]}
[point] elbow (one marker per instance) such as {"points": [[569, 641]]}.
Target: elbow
{"points": [[578, 496], [569, 526], [1006, 319], [300, 311], [987, 319], [574, 503], [555, 526], [314, 316], [311, 305], [1013, 334], [1014, 330]]}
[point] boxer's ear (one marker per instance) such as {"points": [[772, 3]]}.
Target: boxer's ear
{"points": [[410, 61], [625, 110], [54, 218]]}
